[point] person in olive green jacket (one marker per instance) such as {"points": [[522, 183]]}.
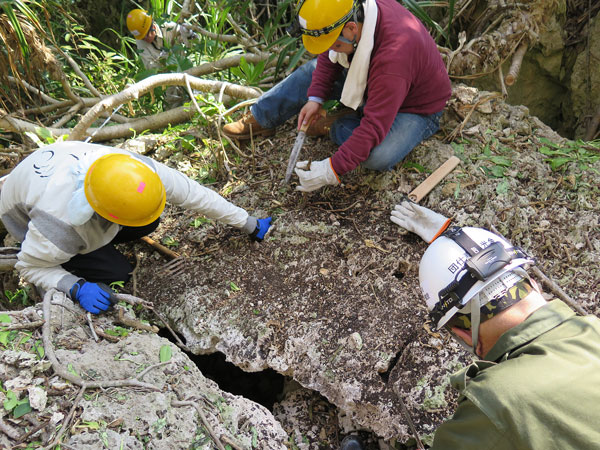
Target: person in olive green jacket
{"points": [[537, 385]]}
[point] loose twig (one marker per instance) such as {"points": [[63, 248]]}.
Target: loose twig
{"points": [[8, 430], [23, 326], [202, 418], [67, 421], [555, 288]]}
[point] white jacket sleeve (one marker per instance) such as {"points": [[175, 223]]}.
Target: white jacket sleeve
{"points": [[39, 262], [187, 193]]}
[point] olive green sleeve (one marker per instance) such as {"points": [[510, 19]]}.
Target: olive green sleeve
{"points": [[469, 429]]}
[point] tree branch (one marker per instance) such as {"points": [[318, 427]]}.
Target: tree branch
{"points": [[78, 71], [133, 92]]}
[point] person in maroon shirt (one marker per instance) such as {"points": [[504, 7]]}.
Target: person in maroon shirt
{"points": [[379, 60]]}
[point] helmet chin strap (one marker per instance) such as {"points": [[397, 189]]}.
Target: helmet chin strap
{"points": [[475, 321]]}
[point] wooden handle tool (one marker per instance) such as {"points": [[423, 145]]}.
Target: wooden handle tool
{"points": [[161, 248], [433, 180]]}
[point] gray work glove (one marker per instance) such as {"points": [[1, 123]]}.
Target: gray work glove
{"points": [[420, 220]]}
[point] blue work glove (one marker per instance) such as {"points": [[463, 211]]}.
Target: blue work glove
{"points": [[93, 297], [262, 226]]}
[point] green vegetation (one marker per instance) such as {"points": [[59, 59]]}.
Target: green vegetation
{"points": [[577, 154]]}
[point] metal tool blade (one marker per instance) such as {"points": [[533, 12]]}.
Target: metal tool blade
{"points": [[294, 155]]}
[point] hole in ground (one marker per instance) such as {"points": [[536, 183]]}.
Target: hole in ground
{"points": [[264, 387]]}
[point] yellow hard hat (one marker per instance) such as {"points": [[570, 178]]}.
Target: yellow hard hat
{"points": [[138, 23], [124, 190], [322, 21]]}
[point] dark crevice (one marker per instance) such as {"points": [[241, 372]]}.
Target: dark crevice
{"points": [[385, 376], [264, 387]]}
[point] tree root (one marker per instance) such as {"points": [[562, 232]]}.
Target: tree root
{"points": [[133, 323], [515, 65], [75, 379], [592, 129]]}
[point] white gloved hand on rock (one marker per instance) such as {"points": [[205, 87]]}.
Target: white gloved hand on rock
{"points": [[420, 220], [319, 174]]}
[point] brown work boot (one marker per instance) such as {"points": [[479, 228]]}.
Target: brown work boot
{"points": [[246, 127], [322, 125]]}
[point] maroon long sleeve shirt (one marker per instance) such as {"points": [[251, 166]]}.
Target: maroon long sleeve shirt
{"points": [[406, 74]]}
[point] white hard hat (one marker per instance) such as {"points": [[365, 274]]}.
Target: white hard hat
{"points": [[463, 262]]}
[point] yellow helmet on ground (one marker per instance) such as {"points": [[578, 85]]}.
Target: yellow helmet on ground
{"points": [[322, 21], [124, 190], [138, 23]]}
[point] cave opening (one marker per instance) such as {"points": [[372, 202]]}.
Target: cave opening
{"points": [[265, 387]]}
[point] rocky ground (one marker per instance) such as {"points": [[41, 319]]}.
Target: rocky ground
{"points": [[330, 299]]}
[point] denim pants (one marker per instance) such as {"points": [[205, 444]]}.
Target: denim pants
{"points": [[286, 99]]}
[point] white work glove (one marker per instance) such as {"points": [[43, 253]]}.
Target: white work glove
{"points": [[321, 173], [420, 220]]}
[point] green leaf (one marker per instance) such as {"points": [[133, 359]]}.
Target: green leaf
{"points": [[45, 134], [556, 163], [414, 165], [39, 349], [233, 287], [497, 171], [5, 318], [254, 437], [502, 187], [165, 353], [11, 400], [22, 408], [501, 161], [71, 370], [91, 425], [4, 337]]}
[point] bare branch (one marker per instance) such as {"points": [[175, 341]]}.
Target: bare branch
{"points": [[231, 38], [79, 72], [32, 89], [133, 92]]}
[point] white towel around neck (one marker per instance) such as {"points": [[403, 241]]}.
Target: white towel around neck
{"points": [[358, 72]]}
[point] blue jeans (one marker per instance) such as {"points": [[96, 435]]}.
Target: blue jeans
{"points": [[287, 98]]}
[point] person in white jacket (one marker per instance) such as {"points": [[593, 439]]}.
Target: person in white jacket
{"points": [[153, 41], [68, 204]]}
